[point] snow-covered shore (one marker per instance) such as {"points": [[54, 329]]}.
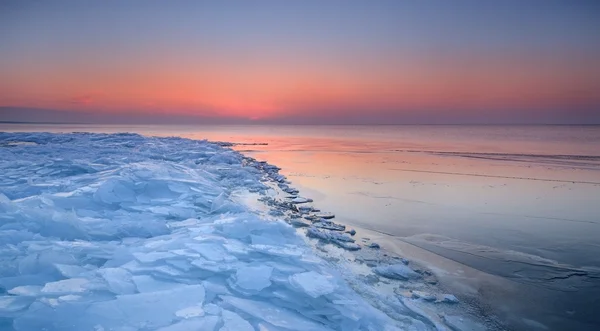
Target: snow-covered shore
{"points": [[125, 232]]}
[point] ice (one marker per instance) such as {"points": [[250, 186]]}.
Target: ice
{"points": [[328, 235], [146, 283], [190, 312], [124, 232], [460, 323], [254, 278], [396, 271], [9, 304], [272, 314], [299, 200], [118, 280], [233, 322], [66, 286], [151, 257], [325, 215], [312, 283], [329, 226], [340, 239], [27, 290], [347, 245], [448, 298], [423, 295], [208, 323]]}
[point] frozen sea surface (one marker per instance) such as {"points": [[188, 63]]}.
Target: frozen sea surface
{"points": [[124, 232]]}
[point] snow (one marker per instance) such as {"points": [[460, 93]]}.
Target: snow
{"points": [[125, 232]]}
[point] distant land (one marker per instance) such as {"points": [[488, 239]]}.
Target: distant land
{"points": [[27, 115]]}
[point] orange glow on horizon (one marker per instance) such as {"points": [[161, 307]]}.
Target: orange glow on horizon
{"points": [[266, 89]]}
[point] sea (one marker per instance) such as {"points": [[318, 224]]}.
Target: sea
{"points": [[507, 217]]}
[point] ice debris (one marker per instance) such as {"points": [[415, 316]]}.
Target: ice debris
{"points": [[325, 215], [448, 298], [120, 231], [396, 271], [374, 246]]}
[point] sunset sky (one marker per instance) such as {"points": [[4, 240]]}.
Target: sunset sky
{"points": [[300, 61]]}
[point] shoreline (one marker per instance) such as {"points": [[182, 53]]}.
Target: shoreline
{"points": [[498, 300], [365, 258], [493, 296]]}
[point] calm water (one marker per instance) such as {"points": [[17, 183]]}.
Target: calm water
{"points": [[508, 216]]}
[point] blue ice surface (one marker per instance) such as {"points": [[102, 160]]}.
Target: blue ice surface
{"points": [[125, 232]]}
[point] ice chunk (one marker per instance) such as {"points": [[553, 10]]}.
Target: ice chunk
{"points": [[189, 312], [272, 314], [233, 322], [423, 295], [312, 283], [347, 245], [10, 304], [113, 191], [118, 280], [374, 245], [396, 271], [448, 298], [299, 200], [330, 226], [299, 223], [151, 257], [211, 252], [327, 235], [70, 271], [26, 290], [325, 215], [460, 323], [146, 283], [254, 278], [69, 297], [212, 309], [208, 323], [145, 310], [66, 286]]}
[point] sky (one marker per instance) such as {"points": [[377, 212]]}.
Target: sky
{"points": [[300, 62]]}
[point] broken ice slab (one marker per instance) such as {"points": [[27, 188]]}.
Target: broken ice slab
{"points": [[423, 295], [462, 323], [329, 226], [312, 283], [396, 271], [66, 286], [299, 200], [273, 314], [328, 235], [448, 298], [253, 278], [374, 245], [325, 215], [305, 209], [299, 223], [347, 245]]}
